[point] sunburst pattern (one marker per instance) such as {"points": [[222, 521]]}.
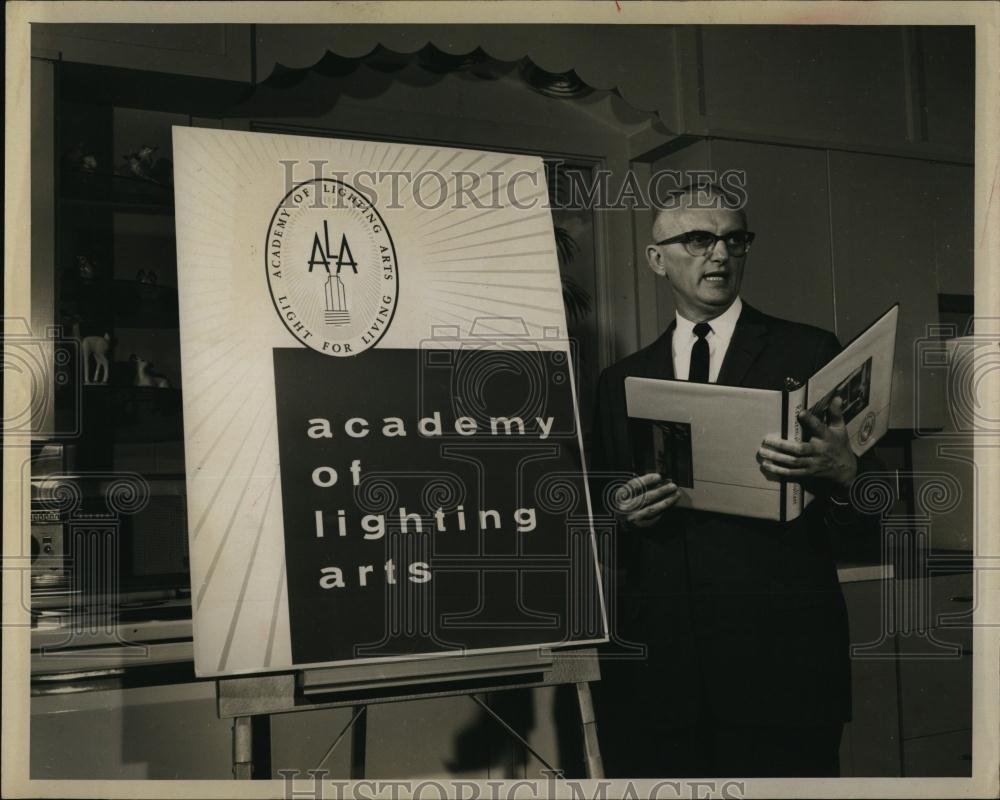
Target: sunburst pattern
{"points": [[481, 265]]}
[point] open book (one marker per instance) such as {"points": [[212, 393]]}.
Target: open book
{"points": [[705, 437]]}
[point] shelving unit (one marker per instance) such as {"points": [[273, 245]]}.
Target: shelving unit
{"points": [[114, 276]]}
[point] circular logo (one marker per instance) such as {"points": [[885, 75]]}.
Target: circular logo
{"points": [[867, 427], [331, 267]]}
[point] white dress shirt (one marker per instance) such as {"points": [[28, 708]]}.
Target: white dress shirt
{"points": [[718, 341]]}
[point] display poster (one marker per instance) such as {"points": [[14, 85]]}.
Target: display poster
{"points": [[382, 444]]}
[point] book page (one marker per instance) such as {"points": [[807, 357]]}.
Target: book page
{"points": [[705, 437], [861, 375]]}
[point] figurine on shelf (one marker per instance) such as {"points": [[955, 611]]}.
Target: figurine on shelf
{"points": [[87, 267], [140, 163], [144, 375], [146, 277], [96, 347], [78, 159]]}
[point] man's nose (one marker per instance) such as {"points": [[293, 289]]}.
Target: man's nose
{"points": [[720, 253]]}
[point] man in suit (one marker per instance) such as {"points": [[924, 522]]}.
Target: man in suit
{"points": [[746, 669]]}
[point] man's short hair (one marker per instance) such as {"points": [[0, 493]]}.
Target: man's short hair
{"points": [[717, 197], [705, 195]]}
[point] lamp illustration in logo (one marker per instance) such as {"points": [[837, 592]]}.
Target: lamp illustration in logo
{"points": [[336, 312], [336, 302]]}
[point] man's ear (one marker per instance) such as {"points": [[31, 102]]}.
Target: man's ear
{"points": [[655, 259]]}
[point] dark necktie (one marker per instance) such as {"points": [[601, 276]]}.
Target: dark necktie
{"points": [[698, 371]]}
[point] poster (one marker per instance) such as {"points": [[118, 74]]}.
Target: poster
{"points": [[379, 411]]}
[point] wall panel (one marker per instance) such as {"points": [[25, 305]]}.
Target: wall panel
{"points": [[813, 82], [883, 252], [788, 272]]}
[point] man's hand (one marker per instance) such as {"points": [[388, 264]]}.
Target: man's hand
{"points": [[642, 501], [826, 455]]}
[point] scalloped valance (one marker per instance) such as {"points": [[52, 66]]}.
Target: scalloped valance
{"points": [[635, 61]]}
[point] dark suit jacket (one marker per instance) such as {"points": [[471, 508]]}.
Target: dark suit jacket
{"points": [[742, 619]]}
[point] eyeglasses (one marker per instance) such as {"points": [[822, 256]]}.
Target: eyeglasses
{"points": [[700, 243]]}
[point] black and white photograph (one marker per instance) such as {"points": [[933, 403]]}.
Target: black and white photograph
{"points": [[433, 399], [854, 393]]}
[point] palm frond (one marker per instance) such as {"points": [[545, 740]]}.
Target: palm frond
{"points": [[575, 298], [566, 246]]}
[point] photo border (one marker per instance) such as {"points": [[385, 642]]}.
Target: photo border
{"points": [[16, 628]]}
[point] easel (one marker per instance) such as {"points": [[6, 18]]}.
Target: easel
{"points": [[250, 701]]}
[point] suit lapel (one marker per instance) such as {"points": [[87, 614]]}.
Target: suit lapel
{"points": [[660, 356], [747, 342]]}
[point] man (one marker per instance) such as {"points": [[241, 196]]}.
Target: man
{"points": [[746, 671]]}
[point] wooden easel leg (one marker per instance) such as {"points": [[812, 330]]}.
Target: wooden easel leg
{"points": [[359, 737], [242, 748], [591, 748], [252, 747]]}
